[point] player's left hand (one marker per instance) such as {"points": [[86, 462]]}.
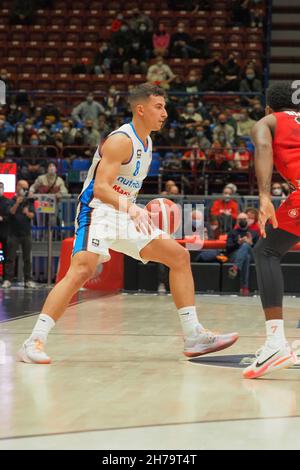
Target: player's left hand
{"points": [[141, 219], [266, 212]]}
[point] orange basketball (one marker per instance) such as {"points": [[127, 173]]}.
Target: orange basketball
{"points": [[165, 214]]}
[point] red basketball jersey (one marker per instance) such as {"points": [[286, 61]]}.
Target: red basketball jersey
{"points": [[286, 146]]}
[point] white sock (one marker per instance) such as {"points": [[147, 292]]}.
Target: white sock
{"points": [[275, 333], [42, 327], [189, 320]]}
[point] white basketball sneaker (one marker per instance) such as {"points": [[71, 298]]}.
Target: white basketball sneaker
{"points": [[269, 359], [32, 352], [205, 342]]}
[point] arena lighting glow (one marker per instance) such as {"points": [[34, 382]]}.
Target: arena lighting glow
{"points": [[8, 175]]}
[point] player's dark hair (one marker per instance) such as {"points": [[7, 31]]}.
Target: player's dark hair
{"points": [[280, 97], [144, 91]]}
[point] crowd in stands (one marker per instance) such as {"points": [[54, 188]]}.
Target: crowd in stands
{"points": [[197, 136]]}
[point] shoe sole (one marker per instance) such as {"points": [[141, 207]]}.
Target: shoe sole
{"points": [[277, 364], [22, 357], [211, 350]]}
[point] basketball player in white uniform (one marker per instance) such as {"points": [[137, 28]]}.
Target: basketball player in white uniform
{"points": [[107, 217]]}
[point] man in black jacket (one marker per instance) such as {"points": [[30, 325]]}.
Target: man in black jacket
{"points": [[4, 213], [21, 214], [240, 242]]}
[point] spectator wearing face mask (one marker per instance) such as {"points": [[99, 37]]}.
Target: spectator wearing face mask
{"points": [[91, 136], [67, 135], [50, 183], [193, 159], [20, 136], [137, 18], [121, 38], [245, 124], [223, 126], [190, 117], [137, 58], [15, 114], [252, 214], [226, 209], [160, 74], [250, 84], [161, 41], [120, 60], [232, 74], [50, 109], [21, 215], [242, 156], [205, 232], [5, 128], [101, 61], [34, 159], [144, 36], [276, 191], [200, 139], [239, 244], [257, 112], [193, 83], [117, 23], [180, 42], [173, 138], [216, 79], [221, 138], [4, 215], [220, 157], [88, 109]]}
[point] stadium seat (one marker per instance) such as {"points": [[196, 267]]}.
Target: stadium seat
{"points": [[64, 82], [83, 84], [81, 164], [155, 164], [45, 83], [49, 68]]}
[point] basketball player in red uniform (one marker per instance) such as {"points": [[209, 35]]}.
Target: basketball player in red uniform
{"points": [[277, 142], [109, 193]]}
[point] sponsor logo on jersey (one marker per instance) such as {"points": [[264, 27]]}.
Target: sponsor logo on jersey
{"points": [[120, 190], [129, 182], [293, 213]]}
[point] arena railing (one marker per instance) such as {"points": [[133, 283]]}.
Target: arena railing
{"points": [[63, 222]]}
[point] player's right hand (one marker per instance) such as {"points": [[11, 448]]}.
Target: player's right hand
{"points": [[141, 219], [266, 212]]}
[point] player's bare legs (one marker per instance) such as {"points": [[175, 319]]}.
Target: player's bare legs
{"points": [[197, 340], [177, 258], [82, 267]]}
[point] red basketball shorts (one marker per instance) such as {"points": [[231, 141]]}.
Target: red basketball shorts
{"points": [[288, 214]]}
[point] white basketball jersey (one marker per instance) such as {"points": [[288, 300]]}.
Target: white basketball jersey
{"points": [[132, 173]]}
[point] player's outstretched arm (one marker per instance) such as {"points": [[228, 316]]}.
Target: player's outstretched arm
{"points": [[262, 139]]}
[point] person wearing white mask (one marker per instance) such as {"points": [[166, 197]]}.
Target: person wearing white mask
{"points": [[276, 191], [88, 109], [50, 183]]}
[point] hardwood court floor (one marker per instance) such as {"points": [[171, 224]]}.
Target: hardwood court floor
{"points": [[119, 380]]}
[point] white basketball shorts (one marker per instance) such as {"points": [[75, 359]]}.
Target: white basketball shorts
{"points": [[102, 228]]}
